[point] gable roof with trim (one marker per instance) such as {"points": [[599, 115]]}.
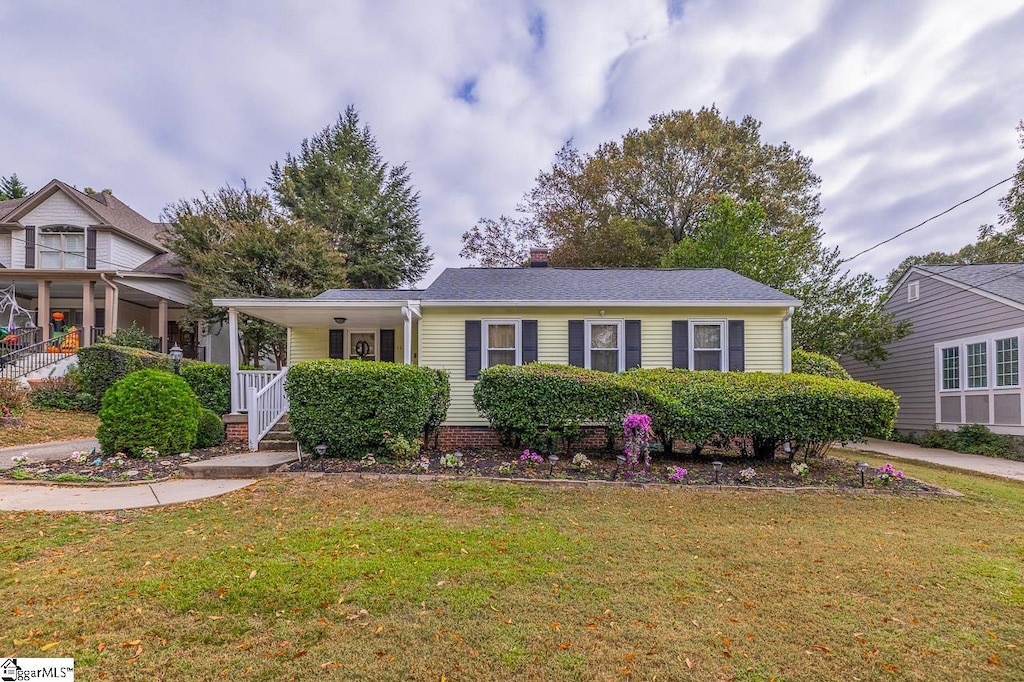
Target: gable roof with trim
{"points": [[108, 210], [1002, 282]]}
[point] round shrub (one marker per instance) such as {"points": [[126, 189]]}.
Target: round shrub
{"points": [[211, 429], [351, 405], [211, 383], [806, 362], [148, 408]]}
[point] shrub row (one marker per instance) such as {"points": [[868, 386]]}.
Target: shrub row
{"points": [[101, 365], [806, 362], [354, 407], [536, 402]]}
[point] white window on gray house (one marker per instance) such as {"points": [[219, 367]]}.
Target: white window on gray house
{"points": [[501, 341], [62, 247], [1007, 362], [977, 365], [913, 291], [605, 351], [707, 345], [951, 368]]}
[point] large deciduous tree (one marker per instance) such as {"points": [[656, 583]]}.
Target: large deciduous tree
{"points": [[339, 181], [235, 243]]}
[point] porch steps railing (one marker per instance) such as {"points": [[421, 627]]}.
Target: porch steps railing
{"points": [[26, 359], [265, 405], [246, 379]]}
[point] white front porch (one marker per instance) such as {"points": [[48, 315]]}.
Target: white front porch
{"points": [[380, 330]]}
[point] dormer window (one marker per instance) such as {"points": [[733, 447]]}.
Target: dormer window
{"points": [[62, 247]]}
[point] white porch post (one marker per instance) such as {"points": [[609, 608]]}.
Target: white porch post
{"points": [[407, 341], [88, 312], [161, 323], [787, 342], [43, 308], [233, 342]]}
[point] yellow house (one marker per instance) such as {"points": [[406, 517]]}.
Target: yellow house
{"points": [[472, 318]]}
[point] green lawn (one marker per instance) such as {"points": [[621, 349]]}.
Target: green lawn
{"points": [[294, 579]]}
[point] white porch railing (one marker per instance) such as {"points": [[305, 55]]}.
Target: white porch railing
{"points": [[246, 379], [266, 405]]}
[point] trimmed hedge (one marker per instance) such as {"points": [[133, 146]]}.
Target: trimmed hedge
{"points": [[148, 408], [210, 430], [536, 402], [806, 362], [102, 364], [352, 406]]}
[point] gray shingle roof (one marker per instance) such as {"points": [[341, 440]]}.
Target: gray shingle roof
{"points": [[580, 285], [9, 205], [1001, 279], [161, 264], [371, 294]]}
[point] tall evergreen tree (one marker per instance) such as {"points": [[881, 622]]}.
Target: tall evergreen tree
{"points": [[339, 182], [12, 188]]}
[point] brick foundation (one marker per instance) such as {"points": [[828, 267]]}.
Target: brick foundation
{"points": [[236, 428]]}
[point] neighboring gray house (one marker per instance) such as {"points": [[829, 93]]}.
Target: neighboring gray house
{"points": [[961, 364]]}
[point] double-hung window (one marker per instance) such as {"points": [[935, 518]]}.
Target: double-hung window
{"points": [[605, 349], [62, 247], [1007, 362], [951, 368], [977, 365], [708, 345], [502, 342]]}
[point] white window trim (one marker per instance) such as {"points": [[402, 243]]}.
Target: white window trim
{"points": [[485, 340], [991, 390], [940, 367], [965, 379], [995, 362], [913, 291], [348, 343], [621, 323], [724, 351], [62, 250]]}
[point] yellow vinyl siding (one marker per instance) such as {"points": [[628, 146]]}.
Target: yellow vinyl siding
{"points": [[442, 339], [313, 344]]}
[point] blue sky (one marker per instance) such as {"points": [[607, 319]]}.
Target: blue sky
{"points": [[906, 107]]}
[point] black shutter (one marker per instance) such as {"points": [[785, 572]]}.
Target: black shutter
{"points": [[387, 345], [336, 344], [529, 341], [577, 352], [30, 247], [473, 355], [90, 249], [736, 346], [680, 344], [632, 344]]}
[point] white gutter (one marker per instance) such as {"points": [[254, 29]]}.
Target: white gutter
{"points": [[611, 304], [787, 342]]}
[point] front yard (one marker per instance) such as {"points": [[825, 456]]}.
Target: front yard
{"points": [[299, 578]]}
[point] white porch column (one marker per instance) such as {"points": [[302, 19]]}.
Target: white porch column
{"points": [[43, 308], [407, 340], [88, 312], [109, 308], [787, 342], [161, 323], [233, 342]]}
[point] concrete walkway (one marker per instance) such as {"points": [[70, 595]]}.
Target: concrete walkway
{"points": [[39, 497], [16, 497], [994, 466]]}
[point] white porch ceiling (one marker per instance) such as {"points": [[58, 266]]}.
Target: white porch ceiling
{"points": [[321, 314]]}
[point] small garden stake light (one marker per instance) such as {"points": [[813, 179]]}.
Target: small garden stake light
{"points": [[552, 460], [718, 467], [862, 467], [458, 462], [619, 461], [176, 355], [321, 450]]}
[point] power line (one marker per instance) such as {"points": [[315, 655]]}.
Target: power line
{"points": [[928, 220]]}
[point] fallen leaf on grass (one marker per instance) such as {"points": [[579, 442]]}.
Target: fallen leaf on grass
{"points": [[252, 574], [48, 646], [689, 664], [101, 646], [134, 642], [300, 654], [993, 659]]}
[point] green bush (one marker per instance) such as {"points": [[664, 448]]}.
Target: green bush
{"points": [[211, 384], [102, 364], [536, 402], [150, 407], [975, 439], [211, 429], [352, 405], [129, 337], [441, 399], [56, 393], [806, 362]]}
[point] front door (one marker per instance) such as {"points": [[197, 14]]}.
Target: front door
{"points": [[362, 345]]}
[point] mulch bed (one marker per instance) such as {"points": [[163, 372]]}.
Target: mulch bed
{"points": [[829, 472], [91, 467]]}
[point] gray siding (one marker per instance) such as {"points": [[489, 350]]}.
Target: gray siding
{"points": [[942, 313]]}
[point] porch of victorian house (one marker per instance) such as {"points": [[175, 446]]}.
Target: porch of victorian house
{"points": [[380, 325]]}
